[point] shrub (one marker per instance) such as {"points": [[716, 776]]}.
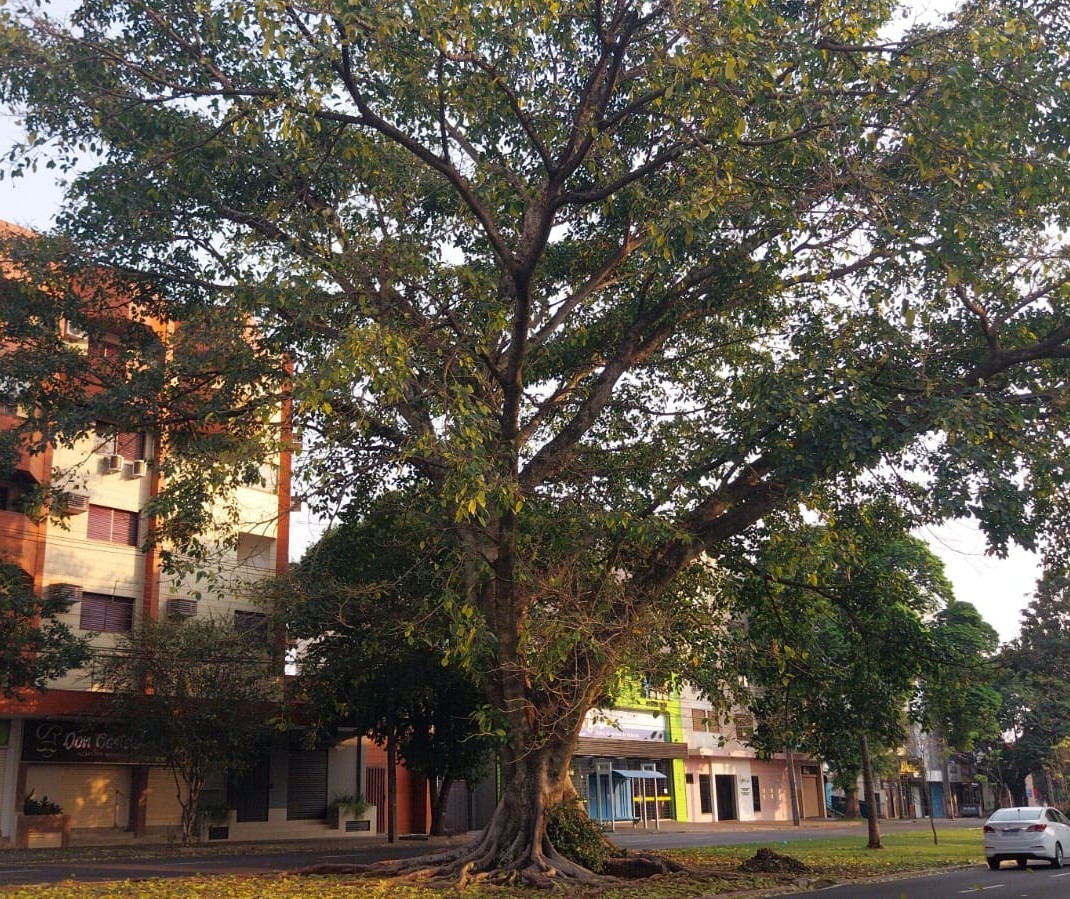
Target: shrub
{"points": [[352, 805], [42, 806], [576, 836]]}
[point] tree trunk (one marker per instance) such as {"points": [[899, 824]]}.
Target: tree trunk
{"points": [[392, 788], [851, 799], [793, 787], [929, 800], [514, 844], [440, 795], [945, 775], [188, 785], [871, 795]]}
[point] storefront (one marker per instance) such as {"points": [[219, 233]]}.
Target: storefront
{"points": [[89, 769]]}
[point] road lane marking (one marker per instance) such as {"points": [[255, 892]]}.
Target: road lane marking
{"points": [[994, 886]]}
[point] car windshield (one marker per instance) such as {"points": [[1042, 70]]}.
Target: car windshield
{"points": [[1016, 814]]}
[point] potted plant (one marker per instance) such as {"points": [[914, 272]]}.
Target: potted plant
{"points": [[343, 809], [42, 823]]}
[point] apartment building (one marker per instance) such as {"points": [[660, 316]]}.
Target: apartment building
{"points": [[58, 743]]}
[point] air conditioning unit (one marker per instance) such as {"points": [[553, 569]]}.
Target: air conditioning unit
{"points": [[68, 593], [113, 464], [72, 332], [138, 468], [181, 608], [76, 502]]}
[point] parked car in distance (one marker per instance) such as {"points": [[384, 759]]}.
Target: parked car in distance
{"points": [[1024, 833]]}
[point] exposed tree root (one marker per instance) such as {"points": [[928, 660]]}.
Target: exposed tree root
{"points": [[481, 861]]}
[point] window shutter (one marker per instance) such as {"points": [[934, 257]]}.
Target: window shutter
{"points": [[94, 615], [120, 614], [99, 527], [125, 530], [106, 614], [130, 446], [112, 525]]}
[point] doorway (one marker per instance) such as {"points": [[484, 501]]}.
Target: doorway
{"points": [[725, 785]]}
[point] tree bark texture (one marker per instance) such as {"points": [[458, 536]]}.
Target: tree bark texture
{"points": [[871, 795], [793, 786], [392, 788]]}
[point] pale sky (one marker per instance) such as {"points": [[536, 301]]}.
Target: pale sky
{"points": [[999, 588]]}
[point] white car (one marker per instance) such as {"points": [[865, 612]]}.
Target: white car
{"points": [[1025, 833]]}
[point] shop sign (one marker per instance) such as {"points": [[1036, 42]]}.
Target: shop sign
{"points": [[76, 741]]}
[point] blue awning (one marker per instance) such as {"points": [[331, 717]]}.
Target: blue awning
{"points": [[638, 775]]}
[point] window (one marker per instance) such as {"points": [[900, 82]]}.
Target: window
{"points": [[103, 349], [106, 614], [756, 793], [703, 720], [744, 725], [129, 446], [112, 525], [252, 624], [257, 552], [705, 794]]}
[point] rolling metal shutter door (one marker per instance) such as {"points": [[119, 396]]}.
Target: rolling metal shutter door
{"points": [[90, 794], [306, 791], [163, 806]]}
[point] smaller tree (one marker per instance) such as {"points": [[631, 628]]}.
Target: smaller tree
{"points": [[196, 696], [371, 604], [956, 702], [835, 631], [36, 647]]}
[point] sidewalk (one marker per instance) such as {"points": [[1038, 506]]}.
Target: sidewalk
{"points": [[123, 842]]}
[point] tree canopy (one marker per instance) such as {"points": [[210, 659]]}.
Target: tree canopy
{"points": [[37, 647], [613, 281]]}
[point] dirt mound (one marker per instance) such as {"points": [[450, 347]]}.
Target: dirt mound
{"points": [[766, 861]]}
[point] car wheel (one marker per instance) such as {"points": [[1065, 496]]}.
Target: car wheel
{"points": [[993, 863], [1021, 862], [1057, 859]]}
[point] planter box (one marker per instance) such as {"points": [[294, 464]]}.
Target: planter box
{"points": [[345, 822], [218, 830], [42, 831]]}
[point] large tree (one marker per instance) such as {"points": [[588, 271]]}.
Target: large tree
{"points": [[957, 703], [614, 279]]}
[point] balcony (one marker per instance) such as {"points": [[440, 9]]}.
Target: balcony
{"points": [[36, 467], [20, 541]]}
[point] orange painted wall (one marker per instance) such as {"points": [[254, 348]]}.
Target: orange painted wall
{"points": [[414, 804]]}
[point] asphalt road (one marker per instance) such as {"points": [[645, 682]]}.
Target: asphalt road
{"points": [[1034, 882], [153, 862]]}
